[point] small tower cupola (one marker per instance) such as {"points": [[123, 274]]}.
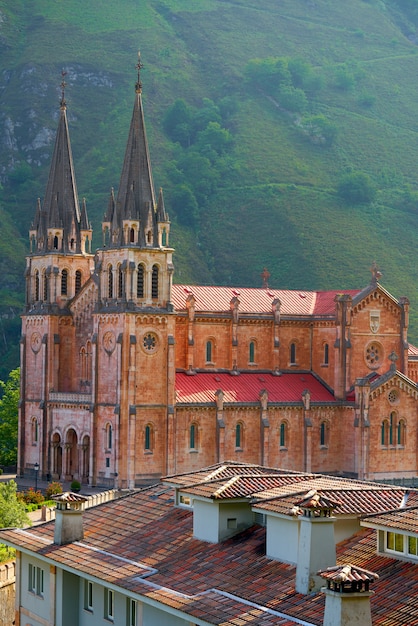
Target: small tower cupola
{"points": [[316, 549], [69, 518], [347, 595]]}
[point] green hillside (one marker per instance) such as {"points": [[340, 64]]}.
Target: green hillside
{"points": [[284, 134]]}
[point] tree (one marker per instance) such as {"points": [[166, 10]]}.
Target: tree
{"points": [[12, 511], [356, 188], [9, 418]]}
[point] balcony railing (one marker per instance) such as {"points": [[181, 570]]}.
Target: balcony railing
{"points": [[72, 398]]}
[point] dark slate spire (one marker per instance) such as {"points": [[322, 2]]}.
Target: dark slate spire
{"points": [[136, 200], [57, 228]]}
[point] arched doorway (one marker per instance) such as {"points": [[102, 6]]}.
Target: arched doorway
{"points": [[56, 457], [71, 455]]}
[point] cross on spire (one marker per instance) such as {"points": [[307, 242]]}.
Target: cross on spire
{"points": [[139, 66], [63, 86]]}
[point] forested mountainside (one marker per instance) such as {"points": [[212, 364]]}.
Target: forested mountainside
{"points": [[284, 134]]}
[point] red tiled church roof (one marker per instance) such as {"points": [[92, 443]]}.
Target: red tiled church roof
{"points": [[217, 299], [246, 387]]}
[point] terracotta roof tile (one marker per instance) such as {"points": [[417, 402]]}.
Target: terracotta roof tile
{"points": [[246, 387], [217, 300]]}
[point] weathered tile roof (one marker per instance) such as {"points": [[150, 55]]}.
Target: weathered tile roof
{"points": [[246, 387], [144, 544], [257, 301], [402, 520]]}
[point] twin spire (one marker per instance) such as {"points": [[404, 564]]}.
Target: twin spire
{"points": [[133, 218]]}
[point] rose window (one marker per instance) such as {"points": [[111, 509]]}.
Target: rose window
{"points": [[374, 355], [150, 342]]}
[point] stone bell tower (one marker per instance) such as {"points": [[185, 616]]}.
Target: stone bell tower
{"points": [[134, 323]]}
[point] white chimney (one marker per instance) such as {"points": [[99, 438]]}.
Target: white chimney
{"points": [[316, 549], [347, 595], [68, 518]]}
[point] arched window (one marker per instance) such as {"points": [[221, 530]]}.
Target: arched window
{"points": [[132, 235], [323, 434], [110, 281], [283, 435], [326, 354], [164, 237], [238, 435], [148, 438], [401, 429], [154, 282], [120, 282], [64, 282], [149, 237], [109, 433], [292, 353], [392, 426], [209, 352], [36, 285], [88, 360], [45, 284], [55, 243], [35, 431], [83, 363], [193, 437], [384, 433], [140, 282], [251, 352], [77, 281]]}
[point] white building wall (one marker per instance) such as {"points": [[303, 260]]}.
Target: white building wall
{"points": [[37, 606], [205, 521], [282, 539]]}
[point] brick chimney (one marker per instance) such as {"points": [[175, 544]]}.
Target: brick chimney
{"points": [[69, 518], [347, 595], [316, 548]]}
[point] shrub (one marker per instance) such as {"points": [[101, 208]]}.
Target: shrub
{"points": [[356, 188], [53, 489], [75, 486], [33, 497]]}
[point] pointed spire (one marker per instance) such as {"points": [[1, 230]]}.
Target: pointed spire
{"points": [[161, 212], [61, 211], [136, 199]]}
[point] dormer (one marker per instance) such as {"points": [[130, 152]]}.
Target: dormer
{"points": [[396, 534]]}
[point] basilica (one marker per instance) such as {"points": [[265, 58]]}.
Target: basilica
{"points": [[127, 376]]}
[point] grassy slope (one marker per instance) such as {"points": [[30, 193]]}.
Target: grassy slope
{"points": [[277, 207]]}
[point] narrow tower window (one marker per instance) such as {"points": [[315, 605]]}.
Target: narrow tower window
{"points": [[140, 282], [45, 281], [120, 282], [64, 282], [193, 437], [55, 243], [132, 235], [251, 356], [148, 438], [110, 281], [209, 352], [326, 354], [238, 435], [283, 433], [154, 282], [36, 286], [292, 354], [77, 281]]}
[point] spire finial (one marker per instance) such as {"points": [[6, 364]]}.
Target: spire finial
{"points": [[265, 275], [376, 274], [139, 66], [63, 104]]}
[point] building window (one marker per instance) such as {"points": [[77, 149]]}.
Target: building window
{"points": [[120, 282], [88, 595], [35, 431], [293, 354], [77, 281], [251, 355], [326, 354], [36, 286], [401, 428], [132, 235], [394, 542], [36, 580], [110, 281], [109, 611], [55, 243], [164, 237], [132, 612], [324, 434], [374, 355], [392, 426], [193, 437], [64, 282], [238, 436], [209, 351], [283, 435], [148, 438], [384, 433], [154, 282], [412, 546], [140, 282], [109, 435], [45, 284]]}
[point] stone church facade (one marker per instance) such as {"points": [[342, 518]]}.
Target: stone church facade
{"points": [[126, 376]]}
